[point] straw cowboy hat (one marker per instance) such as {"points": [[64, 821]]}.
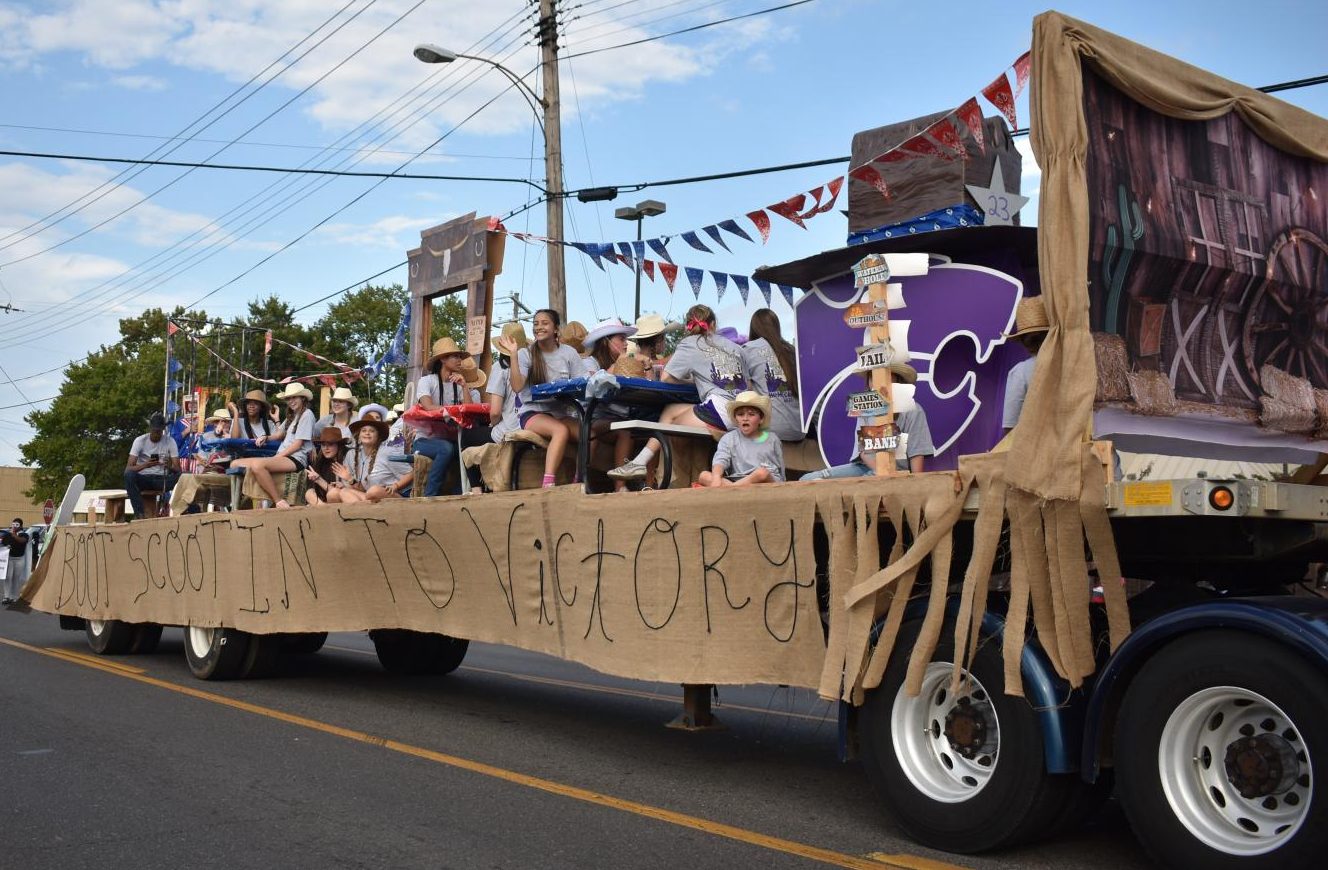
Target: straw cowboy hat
{"points": [[474, 375], [604, 329], [380, 427], [444, 346], [1030, 316], [514, 331], [331, 435], [573, 333], [380, 409], [649, 326], [219, 414], [343, 394], [257, 396], [754, 400], [295, 390]]}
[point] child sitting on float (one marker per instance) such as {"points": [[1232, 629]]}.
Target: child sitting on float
{"points": [[329, 452], [607, 346], [546, 359], [370, 476], [292, 456], [747, 454]]}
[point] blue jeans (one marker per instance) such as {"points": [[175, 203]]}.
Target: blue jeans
{"points": [[856, 468], [443, 454], [134, 481]]}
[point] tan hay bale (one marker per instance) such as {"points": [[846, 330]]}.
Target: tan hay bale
{"points": [[1284, 416], [628, 367], [1287, 388], [1113, 367], [1152, 393], [1321, 411]]}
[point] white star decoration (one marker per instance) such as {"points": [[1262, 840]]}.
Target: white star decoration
{"points": [[998, 205]]}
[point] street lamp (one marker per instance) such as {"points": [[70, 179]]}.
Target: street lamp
{"points": [[546, 109], [638, 213]]}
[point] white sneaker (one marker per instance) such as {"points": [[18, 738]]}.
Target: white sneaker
{"points": [[629, 470]]}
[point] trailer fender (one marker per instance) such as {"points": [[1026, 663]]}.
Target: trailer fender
{"points": [[1061, 722], [1299, 623]]}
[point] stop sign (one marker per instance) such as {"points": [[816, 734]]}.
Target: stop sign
{"points": [[48, 511]]}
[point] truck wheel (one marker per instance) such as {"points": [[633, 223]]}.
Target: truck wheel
{"points": [[401, 651], [959, 773], [215, 653], [261, 656], [146, 637], [1214, 754], [306, 643], [109, 637]]}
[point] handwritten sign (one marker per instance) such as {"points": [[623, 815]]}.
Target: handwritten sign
{"points": [[477, 334], [864, 314], [867, 404], [881, 438], [876, 356], [870, 270]]}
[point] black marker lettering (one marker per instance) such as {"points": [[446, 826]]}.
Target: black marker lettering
{"points": [[708, 567], [791, 555], [660, 527], [412, 554]]}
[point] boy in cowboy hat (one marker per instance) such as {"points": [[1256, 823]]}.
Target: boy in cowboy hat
{"points": [[748, 453], [1030, 330], [154, 463]]}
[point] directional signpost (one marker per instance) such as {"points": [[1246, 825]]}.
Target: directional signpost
{"points": [[873, 314]]}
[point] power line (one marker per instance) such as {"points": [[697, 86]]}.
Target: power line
{"points": [[289, 170], [27, 404], [691, 29]]}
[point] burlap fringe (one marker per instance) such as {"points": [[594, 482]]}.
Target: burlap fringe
{"points": [[1049, 573]]}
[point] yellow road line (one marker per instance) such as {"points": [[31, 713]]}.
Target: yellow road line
{"points": [[719, 829], [609, 690], [87, 658]]}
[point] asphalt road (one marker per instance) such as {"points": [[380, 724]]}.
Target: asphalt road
{"points": [[515, 760]]}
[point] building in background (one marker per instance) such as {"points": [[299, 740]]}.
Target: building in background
{"points": [[14, 481]]}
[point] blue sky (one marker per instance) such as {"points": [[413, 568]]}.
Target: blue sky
{"points": [[114, 79]]}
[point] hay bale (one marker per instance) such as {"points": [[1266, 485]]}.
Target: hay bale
{"points": [[1321, 412], [1113, 367], [1152, 394], [628, 367], [1287, 388], [1284, 416]]}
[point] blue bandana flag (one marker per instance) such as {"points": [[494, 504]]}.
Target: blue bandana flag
{"points": [[695, 276]]}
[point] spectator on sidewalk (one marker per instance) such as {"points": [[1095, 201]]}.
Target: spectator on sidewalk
{"points": [[154, 464], [15, 543]]}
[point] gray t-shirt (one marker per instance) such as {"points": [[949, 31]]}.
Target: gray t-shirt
{"points": [[766, 376], [741, 455], [1016, 388], [144, 448], [444, 392], [331, 420], [384, 472], [711, 362], [563, 364], [301, 430], [500, 384], [912, 423]]}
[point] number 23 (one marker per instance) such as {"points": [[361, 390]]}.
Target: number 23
{"points": [[998, 206]]}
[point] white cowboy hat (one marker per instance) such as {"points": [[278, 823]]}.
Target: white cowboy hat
{"points": [[343, 394], [382, 411], [295, 390], [219, 414], [649, 326], [604, 329]]}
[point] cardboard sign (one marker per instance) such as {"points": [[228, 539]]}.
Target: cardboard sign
{"points": [[867, 404], [876, 439], [477, 334], [870, 270], [876, 356], [864, 314]]}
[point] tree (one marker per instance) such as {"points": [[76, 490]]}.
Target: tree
{"points": [[103, 405]]}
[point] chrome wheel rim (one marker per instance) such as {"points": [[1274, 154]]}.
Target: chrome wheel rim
{"points": [[200, 641], [96, 626], [946, 743], [1235, 770]]}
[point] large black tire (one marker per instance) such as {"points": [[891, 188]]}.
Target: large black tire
{"points": [[306, 643], [109, 637], [1218, 733], [215, 653], [146, 637], [967, 774], [401, 651], [262, 656]]}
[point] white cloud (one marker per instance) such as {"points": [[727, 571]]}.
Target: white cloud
{"points": [[394, 232], [139, 83]]}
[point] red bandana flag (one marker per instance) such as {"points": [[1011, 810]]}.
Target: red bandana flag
{"points": [[923, 146], [998, 92], [171, 328], [670, 273], [872, 177], [267, 343], [791, 208], [648, 266], [328, 380], [971, 115], [832, 191], [1022, 67], [945, 133], [762, 221]]}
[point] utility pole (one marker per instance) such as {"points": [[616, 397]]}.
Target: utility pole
{"points": [[553, 152]]}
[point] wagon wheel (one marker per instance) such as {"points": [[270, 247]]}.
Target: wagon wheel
{"points": [[1287, 322]]}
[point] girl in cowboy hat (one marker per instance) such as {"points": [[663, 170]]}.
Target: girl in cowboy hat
{"points": [[444, 383], [771, 366], [748, 453], [292, 456], [503, 417], [344, 404], [607, 344], [329, 452], [255, 420], [649, 340], [545, 360], [714, 365], [214, 458], [370, 476]]}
